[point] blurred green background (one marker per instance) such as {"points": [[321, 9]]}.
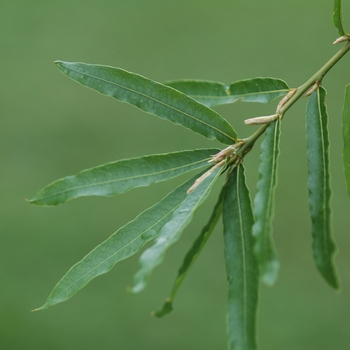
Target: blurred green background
{"points": [[52, 127]]}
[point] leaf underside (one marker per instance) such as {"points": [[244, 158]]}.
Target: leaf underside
{"points": [[264, 205], [125, 242], [346, 137], [338, 17], [192, 256], [319, 185], [118, 177], [152, 97], [172, 231], [212, 93], [241, 265]]}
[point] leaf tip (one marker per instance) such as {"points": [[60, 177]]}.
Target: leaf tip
{"points": [[166, 309], [270, 274], [137, 288], [333, 280]]}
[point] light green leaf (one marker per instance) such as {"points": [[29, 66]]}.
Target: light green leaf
{"points": [[346, 137], [171, 232], [209, 93], [192, 256], [338, 17], [212, 93], [261, 90], [118, 177], [125, 242], [241, 266], [151, 97], [264, 205], [319, 185]]}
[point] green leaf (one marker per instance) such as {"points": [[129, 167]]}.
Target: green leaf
{"points": [[212, 93], [261, 90], [338, 17], [241, 266], [346, 137], [118, 177], [209, 93], [192, 256], [264, 205], [125, 242], [171, 232], [152, 97], [319, 185]]}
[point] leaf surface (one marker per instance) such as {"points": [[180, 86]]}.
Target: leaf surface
{"points": [[241, 265], [346, 137], [118, 177], [172, 231], [319, 185], [212, 93], [338, 17], [264, 205], [125, 242], [152, 97], [192, 256]]}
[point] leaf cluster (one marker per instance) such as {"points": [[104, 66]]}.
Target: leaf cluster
{"points": [[250, 253]]}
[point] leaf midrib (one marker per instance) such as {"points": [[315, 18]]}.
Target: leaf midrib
{"points": [[244, 265]]}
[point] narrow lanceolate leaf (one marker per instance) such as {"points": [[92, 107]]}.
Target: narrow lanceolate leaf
{"points": [[152, 97], [212, 93], [319, 185], [241, 266], [346, 137], [118, 177], [338, 17], [171, 232], [127, 241], [264, 205], [192, 256]]}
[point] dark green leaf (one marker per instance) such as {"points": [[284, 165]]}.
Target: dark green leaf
{"points": [[338, 17], [192, 256], [127, 241], [319, 185], [118, 177], [346, 137], [264, 205], [171, 232], [212, 93], [152, 97], [242, 268]]}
